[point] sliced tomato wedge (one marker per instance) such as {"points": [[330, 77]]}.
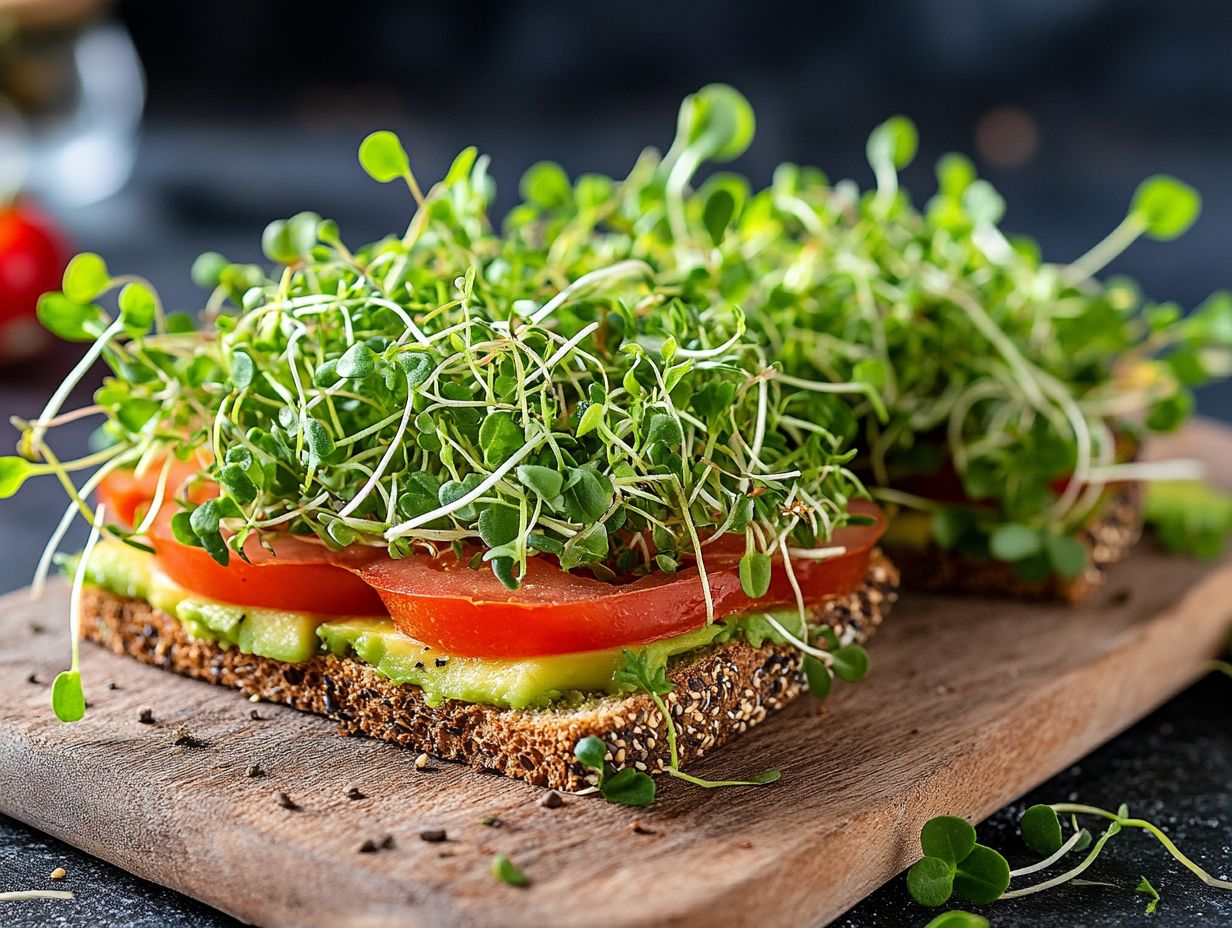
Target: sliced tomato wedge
{"points": [[444, 603]]}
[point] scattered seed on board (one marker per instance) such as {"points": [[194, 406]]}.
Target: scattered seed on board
{"points": [[113, 685], [146, 717], [368, 847], [433, 835], [387, 843], [354, 794], [639, 829], [254, 770], [255, 716], [255, 697], [552, 800], [285, 801], [59, 873], [33, 678], [490, 821], [421, 762]]}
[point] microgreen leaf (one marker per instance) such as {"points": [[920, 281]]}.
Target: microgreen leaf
{"points": [[357, 362], [68, 700], [590, 419], [14, 471], [590, 752], [207, 270], [1066, 554], [755, 574], [69, 320], [1144, 886], [820, 680], [1165, 206], [382, 156], [983, 875], [893, 142], [1013, 542], [930, 881], [504, 870], [546, 185], [1041, 830], [542, 481], [850, 663], [242, 370], [716, 215], [947, 837], [137, 308], [958, 919], [85, 277], [499, 437], [628, 787]]}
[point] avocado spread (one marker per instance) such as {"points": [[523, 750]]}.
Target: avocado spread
{"points": [[296, 636]]}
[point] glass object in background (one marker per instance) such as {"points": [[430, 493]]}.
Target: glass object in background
{"points": [[75, 90]]}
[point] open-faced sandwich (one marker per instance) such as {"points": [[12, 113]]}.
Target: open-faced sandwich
{"points": [[488, 495]]}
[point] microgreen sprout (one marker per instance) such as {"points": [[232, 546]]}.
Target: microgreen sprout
{"points": [[497, 394], [954, 863], [1144, 886]]}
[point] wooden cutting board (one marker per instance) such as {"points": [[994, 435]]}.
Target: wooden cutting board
{"points": [[970, 704]]}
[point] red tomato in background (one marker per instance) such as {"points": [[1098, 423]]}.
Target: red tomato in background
{"points": [[32, 259]]}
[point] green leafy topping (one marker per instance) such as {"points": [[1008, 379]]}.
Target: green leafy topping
{"points": [[68, 699], [948, 838], [85, 278], [1165, 206], [1041, 830], [1144, 886], [381, 154], [626, 786], [958, 919], [506, 871]]}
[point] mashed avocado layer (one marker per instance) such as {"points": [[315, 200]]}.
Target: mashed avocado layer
{"points": [[298, 636]]}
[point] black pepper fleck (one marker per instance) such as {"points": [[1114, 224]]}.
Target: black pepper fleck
{"points": [[255, 715], [387, 843], [441, 662], [112, 685], [368, 847], [285, 801], [433, 835], [146, 717], [354, 794], [254, 770], [33, 678], [552, 800]]}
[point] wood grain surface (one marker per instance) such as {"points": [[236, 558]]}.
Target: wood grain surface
{"points": [[970, 704]]}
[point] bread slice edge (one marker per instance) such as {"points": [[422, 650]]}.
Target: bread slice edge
{"points": [[719, 692]]}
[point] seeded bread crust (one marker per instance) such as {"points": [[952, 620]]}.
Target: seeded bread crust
{"points": [[719, 692], [1107, 538]]}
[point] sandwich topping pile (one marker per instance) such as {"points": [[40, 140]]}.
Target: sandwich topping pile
{"points": [[564, 478]]}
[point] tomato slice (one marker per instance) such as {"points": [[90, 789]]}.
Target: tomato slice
{"points": [[297, 576], [124, 493], [444, 603]]}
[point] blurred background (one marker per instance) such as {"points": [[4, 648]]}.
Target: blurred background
{"points": [[151, 131]]}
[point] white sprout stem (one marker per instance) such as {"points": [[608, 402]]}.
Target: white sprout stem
{"points": [[157, 502], [705, 353], [486, 484], [697, 553], [1049, 861], [1105, 250], [1068, 874], [1178, 469], [23, 895], [401, 314], [79, 582], [53, 544], [824, 656], [602, 275], [74, 377], [390, 450], [818, 554], [560, 353], [910, 500], [791, 575]]}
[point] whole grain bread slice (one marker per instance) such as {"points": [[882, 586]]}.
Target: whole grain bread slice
{"points": [[1108, 538], [720, 691]]}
